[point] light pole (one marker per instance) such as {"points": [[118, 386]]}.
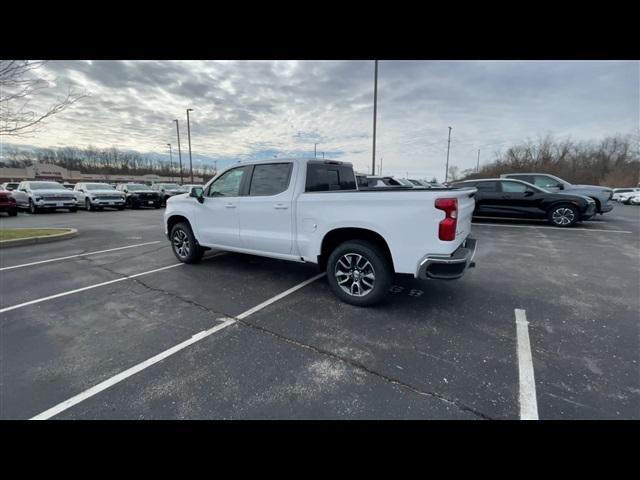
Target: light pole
{"points": [[189, 135], [170, 161], [314, 150], [478, 164], [179, 151], [446, 172], [375, 111]]}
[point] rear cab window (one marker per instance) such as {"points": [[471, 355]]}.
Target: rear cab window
{"points": [[329, 176]]}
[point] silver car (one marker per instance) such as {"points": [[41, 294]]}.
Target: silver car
{"points": [[38, 196], [97, 196]]}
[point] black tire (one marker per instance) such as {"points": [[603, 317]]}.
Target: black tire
{"points": [[120, 207], [73, 209], [87, 205], [346, 255], [32, 208], [134, 205], [13, 213], [157, 205], [181, 232], [563, 215]]}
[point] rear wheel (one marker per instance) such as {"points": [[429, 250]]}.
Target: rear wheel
{"points": [[563, 215], [359, 273], [184, 244]]}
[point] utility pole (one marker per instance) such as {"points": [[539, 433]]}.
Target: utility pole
{"points": [[314, 150], [189, 135], [170, 161], [375, 111], [478, 164], [380, 167], [446, 172], [179, 151]]}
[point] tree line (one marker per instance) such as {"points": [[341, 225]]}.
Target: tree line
{"points": [[92, 160], [613, 161]]}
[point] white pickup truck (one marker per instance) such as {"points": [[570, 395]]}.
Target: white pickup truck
{"points": [[308, 210]]}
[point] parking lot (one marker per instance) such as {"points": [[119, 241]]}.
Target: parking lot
{"points": [[110, 325]]}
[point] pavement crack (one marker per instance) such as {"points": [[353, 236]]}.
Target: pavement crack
{"points": [[360, 366]]}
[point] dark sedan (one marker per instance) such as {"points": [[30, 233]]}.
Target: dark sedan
{"points": [[499, 197]]}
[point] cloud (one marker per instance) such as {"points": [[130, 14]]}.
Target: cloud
{"points": [[244, 109]]}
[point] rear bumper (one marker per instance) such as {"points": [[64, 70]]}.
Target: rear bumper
{"points": [[448, 267]]}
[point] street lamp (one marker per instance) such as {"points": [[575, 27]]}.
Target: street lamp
{"points": [[189, 134], [314, 150], [170, 161], [179, 151], [446, 172]]}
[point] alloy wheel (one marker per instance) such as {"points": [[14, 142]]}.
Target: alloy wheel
{"points": [[563, 216], [181, 243], [355, 274]]}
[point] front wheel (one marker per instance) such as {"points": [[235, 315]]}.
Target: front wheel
{"points": [[87, 204], [563, 215], [359, 273], [184, 244], [13, 213], [32, 207]]}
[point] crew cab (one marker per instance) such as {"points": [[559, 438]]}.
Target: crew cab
{"points": [[37, 196], [97, 196], [600, 195], [307, 210]]}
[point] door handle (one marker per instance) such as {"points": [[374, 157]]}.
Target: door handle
{"points": [[280, 206], [230, 205]]}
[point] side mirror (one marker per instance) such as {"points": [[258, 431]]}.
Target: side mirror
{"points": [[560, 186], [528, 192], [197, 193]]}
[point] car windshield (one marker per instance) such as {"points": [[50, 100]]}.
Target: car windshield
{"points": [[99, 186], [136, 187], [46, 186], [170, 186]]}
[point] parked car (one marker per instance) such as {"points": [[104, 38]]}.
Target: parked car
{"points": [[8, 203], [627, 196], [10, 186], [307, 210], [97, 196], [138, 195], [617, 192], [37, 196], [500, 197], [635, 200], [168, 190], [378, 181], [424, 183], [601, 195]]}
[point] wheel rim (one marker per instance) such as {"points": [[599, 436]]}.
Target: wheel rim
{"points": [[563, 216], [355, 274], [32, 207], [181, 243]]}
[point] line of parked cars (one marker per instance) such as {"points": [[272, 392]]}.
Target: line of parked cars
{"points": [[628, 196], [37, 196]]}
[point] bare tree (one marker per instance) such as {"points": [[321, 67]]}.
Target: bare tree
{"points": [[19, 84]]}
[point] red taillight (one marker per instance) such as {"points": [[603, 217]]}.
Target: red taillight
{"points": [[447, 228]]}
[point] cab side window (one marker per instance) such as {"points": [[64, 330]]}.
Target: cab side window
{"points": [[228, 185], [488, 187], [544, 181], [270, 179]]}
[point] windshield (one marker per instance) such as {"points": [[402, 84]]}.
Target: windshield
{"points": [[46, 186], [170, 186], [136, 187], [99, 186]]}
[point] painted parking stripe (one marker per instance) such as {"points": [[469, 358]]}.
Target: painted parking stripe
{"points": [[570, 229], [90, 287], [226, 322], [528, 398], [78, 255]]}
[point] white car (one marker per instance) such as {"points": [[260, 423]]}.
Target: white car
{"points": [[307, 210], [96, 196], [38, 196], [635, 200], [625, 197]]}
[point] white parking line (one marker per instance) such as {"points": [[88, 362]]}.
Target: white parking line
{"points": [[78, 255], [570, 229], [162, 355], [77, 290], [528, 399]]}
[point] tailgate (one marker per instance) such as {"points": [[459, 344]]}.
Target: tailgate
{"points": [[466, 206]]}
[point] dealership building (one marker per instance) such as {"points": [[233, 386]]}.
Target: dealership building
{"points": [[49, 172]]}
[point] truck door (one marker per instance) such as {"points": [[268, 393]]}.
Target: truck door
{"points": [[217, 217], [266, 212]]}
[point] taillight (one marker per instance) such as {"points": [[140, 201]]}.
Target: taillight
{"points": [[447, 228]]}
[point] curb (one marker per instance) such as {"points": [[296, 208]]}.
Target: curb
{"points": [[70, 233]]}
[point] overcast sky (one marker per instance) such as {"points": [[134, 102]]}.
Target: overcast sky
{"points": [[257, 109]]}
